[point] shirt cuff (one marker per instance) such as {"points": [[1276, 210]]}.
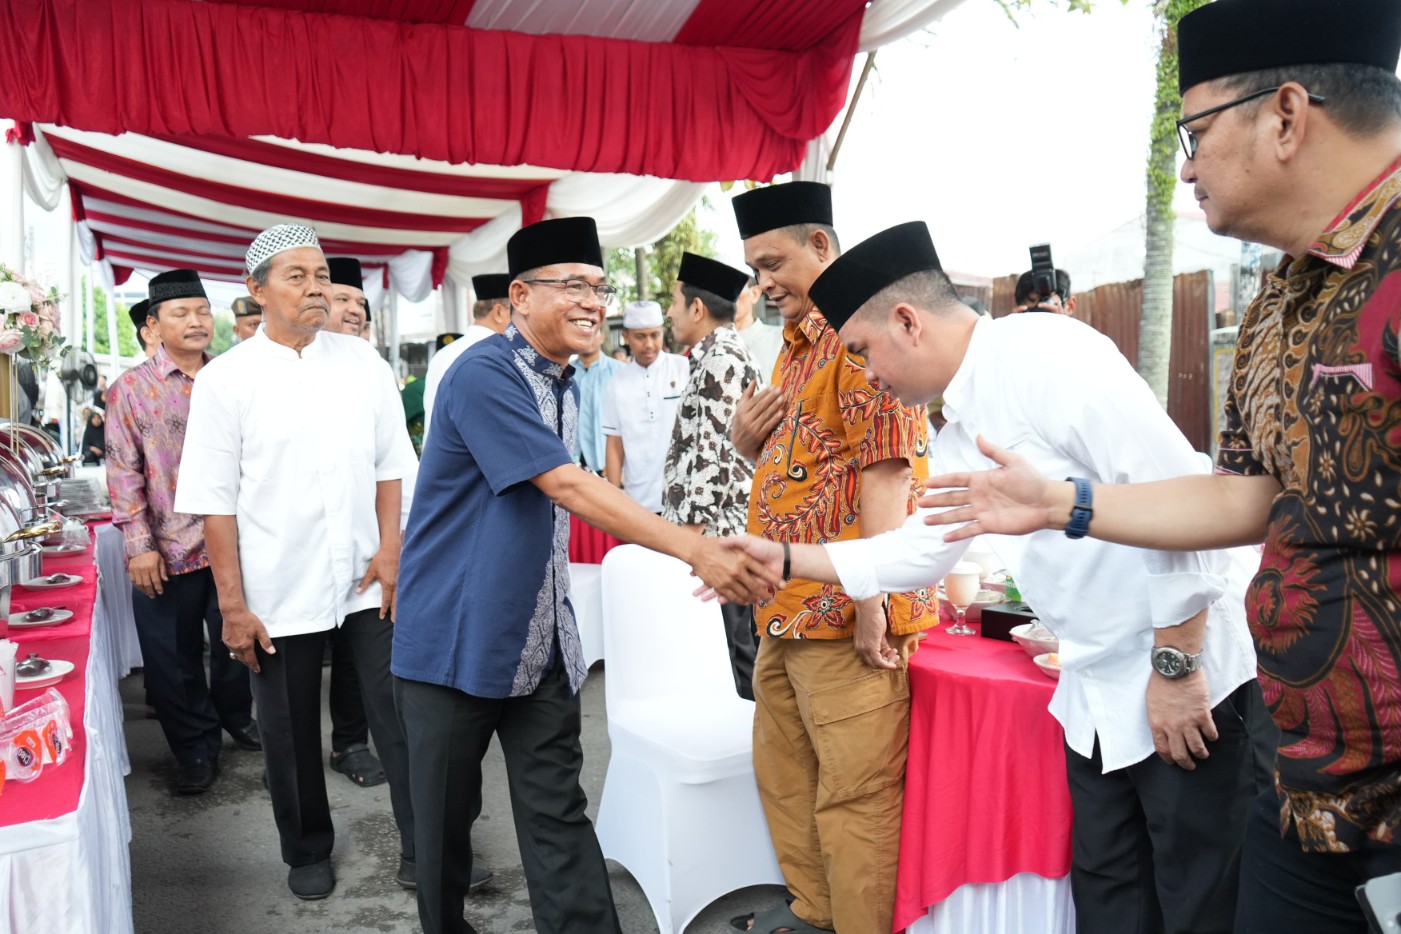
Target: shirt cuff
{"points": [[138, 541], [1177, 597], [856, 568]]}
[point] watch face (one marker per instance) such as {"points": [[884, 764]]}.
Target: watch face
{"points": [[1168, 663]]}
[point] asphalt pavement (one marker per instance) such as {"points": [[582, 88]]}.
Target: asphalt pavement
{"points": [[210, 863]]}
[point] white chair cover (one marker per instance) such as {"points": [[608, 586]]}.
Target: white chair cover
{"points": [[680, 809]]}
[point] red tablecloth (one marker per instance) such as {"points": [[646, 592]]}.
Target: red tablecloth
{"points": [[985, 790], [588, 545], [55, 792]]}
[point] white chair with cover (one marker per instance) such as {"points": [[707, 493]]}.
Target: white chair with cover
{"points": [[680, 809], [586, 596]]}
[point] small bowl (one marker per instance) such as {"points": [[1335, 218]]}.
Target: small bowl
{"points": [[1034, 647], [1049, 663]]}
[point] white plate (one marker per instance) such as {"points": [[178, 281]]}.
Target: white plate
{"points": [[54, 675], [44, 583], [68, 549], [18, 621], [1050, 669]]}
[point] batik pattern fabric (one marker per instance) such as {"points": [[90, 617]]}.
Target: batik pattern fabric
{"points": [[552, 625], [807, 480], [1315, 402], [706, 481], [148, 408]]}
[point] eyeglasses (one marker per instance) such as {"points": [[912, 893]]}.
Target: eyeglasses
{"points": [[578, 290], [1188, 139]]}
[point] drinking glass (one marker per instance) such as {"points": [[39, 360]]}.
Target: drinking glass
{"points": [[961, 587]]}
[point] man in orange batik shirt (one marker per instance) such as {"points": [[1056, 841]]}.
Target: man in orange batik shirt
{"points": [[836, 458]]}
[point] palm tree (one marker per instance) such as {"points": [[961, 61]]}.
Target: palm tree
{"points": [[1155, 334]]}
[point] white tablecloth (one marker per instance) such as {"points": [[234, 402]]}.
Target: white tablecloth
{"points": [[1024, 904], [72, 874]]}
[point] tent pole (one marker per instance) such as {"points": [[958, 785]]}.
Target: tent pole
{"points": [[394, 361], [851, 109]]}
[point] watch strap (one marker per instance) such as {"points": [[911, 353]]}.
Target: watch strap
{"points": [[1083, 510]]}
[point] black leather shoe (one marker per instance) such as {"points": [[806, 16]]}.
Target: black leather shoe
{"points": [[408, 875], [195, 777], [247, 737], [310, 883]]}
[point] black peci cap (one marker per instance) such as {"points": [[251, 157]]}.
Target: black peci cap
{"points": [[564, 240], [855, 277], [713, 276], [1233, 37], [176, 283], [345, 270], [492, 285], [776, 206]]}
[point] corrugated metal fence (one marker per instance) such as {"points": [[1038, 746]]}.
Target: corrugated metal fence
{"points": [[1116, 310]]}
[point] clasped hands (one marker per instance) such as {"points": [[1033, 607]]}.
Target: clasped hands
{"points": [[732, 573]]}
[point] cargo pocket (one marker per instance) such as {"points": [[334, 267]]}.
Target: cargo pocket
{"points": [[862, 730]]}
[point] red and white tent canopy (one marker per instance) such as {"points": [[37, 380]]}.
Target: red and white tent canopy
{"points": [[414, 134]]}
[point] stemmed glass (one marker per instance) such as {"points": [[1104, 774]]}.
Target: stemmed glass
{"points": [[961, 587]]}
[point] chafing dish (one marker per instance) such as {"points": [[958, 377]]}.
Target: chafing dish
{"points": [[21, 556]]}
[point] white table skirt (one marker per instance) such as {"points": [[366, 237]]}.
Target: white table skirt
{"points": [[116, 593], [1024, 904], [72, 874]]}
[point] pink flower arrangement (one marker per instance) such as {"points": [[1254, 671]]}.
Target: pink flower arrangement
{"points": [[31, 329]]}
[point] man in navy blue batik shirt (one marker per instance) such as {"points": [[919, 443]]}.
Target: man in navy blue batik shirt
{"points": [[485, 639]]}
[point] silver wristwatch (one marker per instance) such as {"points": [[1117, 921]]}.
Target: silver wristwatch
{"points": [[1174, 663]]}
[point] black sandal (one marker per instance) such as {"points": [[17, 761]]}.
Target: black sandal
{"points": [[358, 764], [779, 920]]}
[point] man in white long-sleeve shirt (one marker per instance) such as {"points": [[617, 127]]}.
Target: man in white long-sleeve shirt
{"points": [[1154, 651]]}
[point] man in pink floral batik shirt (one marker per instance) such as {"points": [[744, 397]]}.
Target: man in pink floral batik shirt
{"points": [[173, 596]]}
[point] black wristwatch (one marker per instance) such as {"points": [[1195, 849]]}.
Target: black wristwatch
{"points": [[1173, 663]]}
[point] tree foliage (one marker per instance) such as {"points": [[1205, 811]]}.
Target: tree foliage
{"points": [[663, 260], [127, 344]]}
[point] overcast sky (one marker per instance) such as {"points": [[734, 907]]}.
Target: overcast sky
{"points": [[1000, 135]]}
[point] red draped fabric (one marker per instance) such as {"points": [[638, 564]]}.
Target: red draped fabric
{"points": [[453, 12], [985, 790], [178, 67]]}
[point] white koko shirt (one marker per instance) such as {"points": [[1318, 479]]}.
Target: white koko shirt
{"points": [[292, 447], [1060, 394], [640, 407], [438, 367]]}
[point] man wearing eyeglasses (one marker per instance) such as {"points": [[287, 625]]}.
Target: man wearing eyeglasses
{"points": [[485, 640], [1293, 139], [639, 409]]}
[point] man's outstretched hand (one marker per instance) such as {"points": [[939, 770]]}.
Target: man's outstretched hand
{"points": [[1011, 499], [732, 573]]}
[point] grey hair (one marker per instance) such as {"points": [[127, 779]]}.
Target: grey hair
{"points": [[1362, 99], [261, 272]]}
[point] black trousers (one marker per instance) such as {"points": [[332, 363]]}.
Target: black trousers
{"points": [[349, 724], [743, 644], [1284, 890], [171, 629], [1156, 849], [288, 692], [448, 733]]}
